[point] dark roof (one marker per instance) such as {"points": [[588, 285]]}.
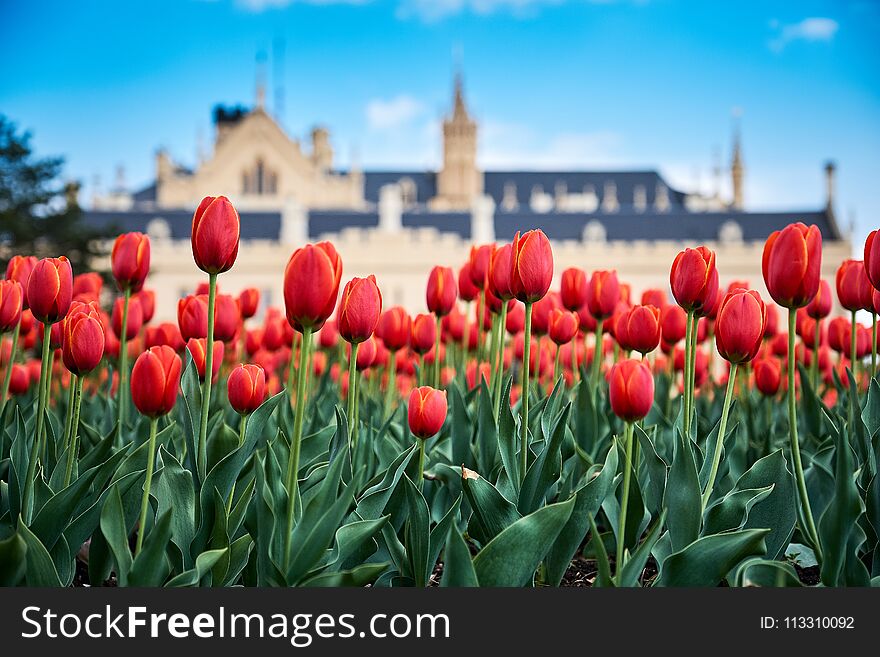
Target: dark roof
{"points": [[146, 194], [425, 182], [333, 221], [254, 225]]}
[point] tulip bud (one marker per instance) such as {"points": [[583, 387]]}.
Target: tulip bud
{"points": [[768, 375], [19, 379], [694, 279], [394, 328], [50, 289], [130, 260], [427, 411], [359, 309], [311, 285], [328, 338], [82, 342], [155, 381], [854, 290], [248, 302], [88, 285], [739, 328], [531, 269], [639, 329], [135, 317], [19, 269], [246, 387], [215, 235], [10, 305], [198, 349], [424, 333], [872, 259], [791, 264], [516, 319], [192, 316], [603, 293], [147, 300], [573, 288], [500, 268], [673, 324], [480, 261], [820, 306], [440, 293], [452, 327], [226, 318], [467, 291], [631, 389], [654, 297], [367, 354], [563, 325]]}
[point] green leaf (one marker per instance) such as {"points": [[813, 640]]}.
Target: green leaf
{"points": [[441, 530], [657, 471], [871, 413], [374, 500], [511, 558], [204, 563], [545, 469], [417, 534], [706, 561], [174, 490], [508, 440], [351, 540], [40, 567], [357, 577], [683, 496], [603, 574], [13, 563], [760, 572], [150, 567], [732, 511], [589, 498], [634, 566], [115, 531], [458, 567], [492, 512]]}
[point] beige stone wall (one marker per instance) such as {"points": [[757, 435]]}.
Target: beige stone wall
{"points": [[401, 262]]}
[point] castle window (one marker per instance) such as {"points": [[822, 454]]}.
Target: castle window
{"points": [[640, 198], [408, 192], [509, 202], [259, 180]]}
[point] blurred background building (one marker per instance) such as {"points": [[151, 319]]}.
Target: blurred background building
{"points": [[398, 224]]}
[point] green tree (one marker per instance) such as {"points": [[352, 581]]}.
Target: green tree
{"points": [[39, 212]]}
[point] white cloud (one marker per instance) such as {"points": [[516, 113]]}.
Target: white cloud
{"points": [[394, 113], [809, 29], [512, 145]]}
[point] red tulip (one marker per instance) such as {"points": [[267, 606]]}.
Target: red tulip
{"points": [[147, 300], [329, 335], [427, 411], [82, 344], [603, 293], [654, 297], [516, 319], [311, 285], [50, 289], [500, 268], [198, 349], [452, 327], [467, 291], [673, 323], [135, 317], [19, 269], [541, 311], [424, 333], [694, 279], [359, 309], [639, 329], [273, 333], [246, 387], [170, 335], [480, 261], [367, 355], [155, 380], [531, 270], [768, 375], [20, 379], [573, 288], [441, 291], [227, 318], [872, 259], [587, 321], [739, 328], [631, 389], [10, 305], [215, 235], [248, 302], [395, 327], [791, 264], [192, 316], [820, 306], [471, 373], [88, 285], [563, 326], [130, 260], [854, 290], [771, 328]]}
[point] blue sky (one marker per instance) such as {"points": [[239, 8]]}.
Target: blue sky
{"points": [[554, 83]]}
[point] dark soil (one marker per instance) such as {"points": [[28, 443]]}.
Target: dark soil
{"points": [[808, 576]]}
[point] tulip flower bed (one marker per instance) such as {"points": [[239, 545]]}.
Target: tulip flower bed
{"points": [[553, 437]]}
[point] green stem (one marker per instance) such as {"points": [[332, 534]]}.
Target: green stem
{"points": [[123, 365], [465, 335], [556, 366], [69, 413], [73, 449], [8, 376], [575, 370], [480, 310], [437, 364], [719, 440], [242, 427], [686, 383], [27, 498], [352, 392], [391, 386], [145, 500], [493, 353], [853, 342], [421, 483], [206, 385], [598, 354], [810, 529], [524, 441], [499, 378], [624, 501], [873, 346], [296, 439]]}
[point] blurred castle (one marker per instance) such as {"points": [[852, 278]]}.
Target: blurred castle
{"points": [[398, 224]]}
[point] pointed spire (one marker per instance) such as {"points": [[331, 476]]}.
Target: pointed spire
{"points": [[737, 169], [260, 91]]}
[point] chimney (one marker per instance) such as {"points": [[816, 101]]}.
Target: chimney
{"points": [[390, 208], [482, 220], [830, 168]]}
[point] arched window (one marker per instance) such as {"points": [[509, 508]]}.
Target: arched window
{"points": [[259, 180]]}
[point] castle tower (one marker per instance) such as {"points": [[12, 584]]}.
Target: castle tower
{"points": [[737, 172], [459, 182]]}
